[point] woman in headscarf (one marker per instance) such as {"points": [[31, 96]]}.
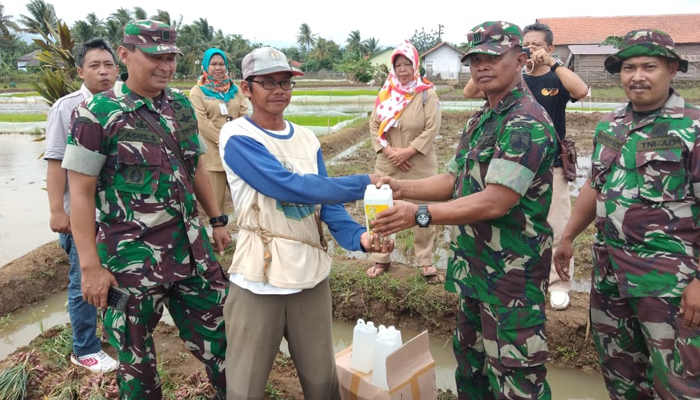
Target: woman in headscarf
{"points": [[403, 126], [216, 100]]}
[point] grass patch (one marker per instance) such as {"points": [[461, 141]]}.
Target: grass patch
{"points": [[58, 347], [315, 120], [22, 117], [386, 298], [23, 94], [5, 321], [336, 93]]}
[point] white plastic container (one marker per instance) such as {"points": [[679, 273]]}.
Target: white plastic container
{"points": [[363, 337], [376, 201], [388, 340]]}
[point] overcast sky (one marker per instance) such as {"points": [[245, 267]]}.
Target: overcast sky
{"points": [[274, 22]]}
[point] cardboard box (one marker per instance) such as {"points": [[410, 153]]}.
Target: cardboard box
{"points": [[410, 374]]}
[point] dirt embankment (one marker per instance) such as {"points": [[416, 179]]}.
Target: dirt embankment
{"points": [[401, 297]]}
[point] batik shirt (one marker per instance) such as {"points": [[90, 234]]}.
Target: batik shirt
{"points": [[149, 229], [647, 175], [505, 261]]}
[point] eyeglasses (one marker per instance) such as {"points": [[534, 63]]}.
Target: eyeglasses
{"points": [[271, 85]]}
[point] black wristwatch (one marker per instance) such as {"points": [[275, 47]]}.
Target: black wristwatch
{"points": [[221, 220], [554, 67], [423, 216]]}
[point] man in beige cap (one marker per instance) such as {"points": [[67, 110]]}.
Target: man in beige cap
{"points": [[279, 273]]}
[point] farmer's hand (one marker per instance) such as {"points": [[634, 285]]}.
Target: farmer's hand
{"points": [[690, 304], [221, 239], [562, 259], [373, 243], [95, 282], [60, 222], [394, 219]]}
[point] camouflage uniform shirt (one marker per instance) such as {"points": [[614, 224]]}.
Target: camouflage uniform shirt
{"points": [[647, 175], [149, 229], [505, 261]]}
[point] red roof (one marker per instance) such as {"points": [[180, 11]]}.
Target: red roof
{"points": [[683, 28]]}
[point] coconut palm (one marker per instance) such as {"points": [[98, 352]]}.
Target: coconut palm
{"points": [[305, 38], [42, 16], [6, 23], [114, 33], [354, 42], [90, 27], [371, 46], [140, 13], [122, 16]]}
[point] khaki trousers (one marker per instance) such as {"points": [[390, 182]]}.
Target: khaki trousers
{"points": [[559, 214], [255, 326], [219, 185]]}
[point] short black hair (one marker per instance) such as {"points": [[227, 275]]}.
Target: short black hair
{"points": [[540, 27], [93, 44], [250, 83]]}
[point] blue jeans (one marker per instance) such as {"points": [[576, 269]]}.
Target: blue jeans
{"points": [[83, 316]]}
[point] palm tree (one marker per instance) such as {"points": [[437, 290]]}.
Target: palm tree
{"points": [[6, 23], [305, 38], [122, 16], [140, 13], [371, 46], [42, 16], [114, 33], [90, 27], [354, 42]]}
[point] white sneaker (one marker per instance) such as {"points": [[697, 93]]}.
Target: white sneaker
{"points": [[559, 300], [95, 362]]}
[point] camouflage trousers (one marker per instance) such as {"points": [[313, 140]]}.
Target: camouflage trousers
{"points": [[500, 351], [196, 305], [644, 350]]}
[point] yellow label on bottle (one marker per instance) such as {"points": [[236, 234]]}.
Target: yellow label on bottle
{"points": [[371, 210]]}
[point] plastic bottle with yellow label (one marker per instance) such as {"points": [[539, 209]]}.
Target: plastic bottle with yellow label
{"points": [[376, 201]]}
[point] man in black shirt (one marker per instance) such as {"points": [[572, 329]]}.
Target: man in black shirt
{"points": [[553, 86]]}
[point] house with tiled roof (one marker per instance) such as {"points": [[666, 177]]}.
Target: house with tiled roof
{"points": [[28, 60], [443, 62], [577, 40]]}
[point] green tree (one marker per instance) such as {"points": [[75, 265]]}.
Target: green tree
{"points": [[305, 38], [292, 53], [371, 46], [615, 41], [42, 16], [354, 42], [140, 13], [57, 76], [122, 16], [114, 32], [89, 28], [424, 41], [7, 24], [354, 63], [164, 16], [325, 53]]}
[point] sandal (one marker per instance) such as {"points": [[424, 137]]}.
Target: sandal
{"points": [[428, 271], [377, 269]]}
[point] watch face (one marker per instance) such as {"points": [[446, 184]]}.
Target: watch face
{"points": [[422, 219]]}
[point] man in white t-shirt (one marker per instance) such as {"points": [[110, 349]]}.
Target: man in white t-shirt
{"points": [[97, 67], [279, 271]]}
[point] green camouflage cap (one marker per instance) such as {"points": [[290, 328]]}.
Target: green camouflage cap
{"points": [[152, 37], [494, 38], [645, 42]]}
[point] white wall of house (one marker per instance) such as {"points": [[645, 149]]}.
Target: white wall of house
{"points": [[443, 61]]}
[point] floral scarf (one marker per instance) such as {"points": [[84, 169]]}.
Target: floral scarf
{"points": [[219, 88], [393, 96]]}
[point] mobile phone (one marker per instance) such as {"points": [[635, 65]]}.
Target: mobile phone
{"points": [[526, 50], [117, 298]]}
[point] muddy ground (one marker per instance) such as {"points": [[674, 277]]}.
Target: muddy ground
{"points": [[401, 297]]}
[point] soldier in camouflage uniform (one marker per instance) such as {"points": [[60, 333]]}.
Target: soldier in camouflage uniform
{"points": [[500, 181], [150, 239], [644, 194]]}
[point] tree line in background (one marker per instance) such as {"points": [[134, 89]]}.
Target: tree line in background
{"points": [[314, 53]]}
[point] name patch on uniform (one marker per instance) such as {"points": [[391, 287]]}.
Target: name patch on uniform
{"points": [[138, 135], [610, 141], [660, 143]]}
